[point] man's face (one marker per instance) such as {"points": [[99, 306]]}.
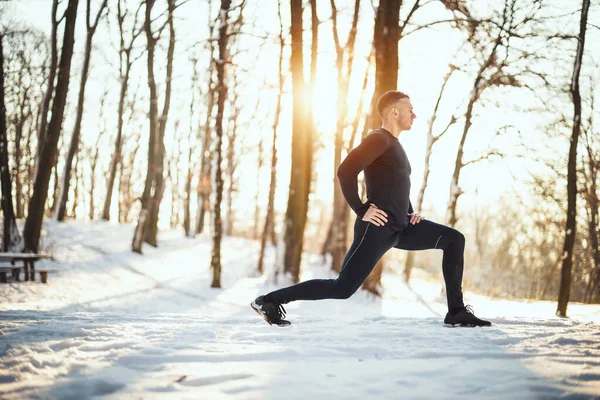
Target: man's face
{"points": [[402, 112]]}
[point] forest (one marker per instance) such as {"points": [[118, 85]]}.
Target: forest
{"points": [[151, 121]]}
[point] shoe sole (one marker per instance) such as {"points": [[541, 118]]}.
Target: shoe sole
{"points": [[260, 313], [447, 325], [255, 308]]}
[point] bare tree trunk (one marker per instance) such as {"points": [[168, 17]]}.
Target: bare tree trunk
{"points": [[76, 173], [95, 154], [565, 278], [124, 68], [259, 165], [173, 177], [116, 157], [174, 181], [91, 29], [215, 262], [11, 239], [204, 187], [151, 228], [431, 140], [231, 157], [33, 224], [154, 185], [45, 106], [350, 145], [20, 197], [125, 172], [188, 178], [56, 187], [337, 236], [153, 113], [386, 36], [93, 166], [30, 172], [297, 207], [138, 237], [269, 218]]}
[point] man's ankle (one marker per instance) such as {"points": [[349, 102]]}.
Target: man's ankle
{"points": [[455, 310]]}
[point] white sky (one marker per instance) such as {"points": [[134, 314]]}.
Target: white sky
{"points": [[424, 59]]}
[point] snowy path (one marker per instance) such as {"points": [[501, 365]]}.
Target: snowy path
{"points": [[150, 327]]}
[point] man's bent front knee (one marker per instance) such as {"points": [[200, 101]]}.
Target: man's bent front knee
{"points": [[344, 290]]}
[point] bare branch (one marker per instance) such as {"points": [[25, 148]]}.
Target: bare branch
{"points": [[412, 11], [486, 156], [336, 38], [452, 121], [418, 28]]}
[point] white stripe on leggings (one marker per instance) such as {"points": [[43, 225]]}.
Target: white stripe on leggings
{"points": [[435, 247], [361, 240]]}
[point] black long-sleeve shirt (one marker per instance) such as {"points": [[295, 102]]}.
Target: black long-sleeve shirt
{"points": [[387, 175]]}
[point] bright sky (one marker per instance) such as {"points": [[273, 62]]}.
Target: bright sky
{"points": [[424, 59]]}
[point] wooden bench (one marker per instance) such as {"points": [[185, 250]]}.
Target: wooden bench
{"points": [[15, 273], [28, 260], [43, 274]]}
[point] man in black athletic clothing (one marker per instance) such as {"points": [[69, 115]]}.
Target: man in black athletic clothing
{"points": [[385, 220]]}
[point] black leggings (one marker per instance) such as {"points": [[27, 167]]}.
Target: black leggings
{"points": [[370, 243]]}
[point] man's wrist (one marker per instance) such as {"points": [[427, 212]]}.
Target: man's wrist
{"points": [[360, 211]]}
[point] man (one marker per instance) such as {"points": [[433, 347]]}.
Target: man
{"points": [[386, 220]]}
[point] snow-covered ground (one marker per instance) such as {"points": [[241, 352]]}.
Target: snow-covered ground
{"points": [[121, 325]]}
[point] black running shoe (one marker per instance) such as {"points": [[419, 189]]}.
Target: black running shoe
{"points": [[271, 312], [465, 317]]}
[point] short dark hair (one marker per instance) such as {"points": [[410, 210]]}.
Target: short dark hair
{"points": [[389, 98]]}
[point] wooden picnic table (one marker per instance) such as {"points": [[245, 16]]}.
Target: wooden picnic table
{"points": [[28, 260]]}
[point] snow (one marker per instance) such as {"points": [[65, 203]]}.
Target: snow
{"points": [[120, 325]]}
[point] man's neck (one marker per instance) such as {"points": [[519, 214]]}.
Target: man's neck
{"points": [[395, 131]]}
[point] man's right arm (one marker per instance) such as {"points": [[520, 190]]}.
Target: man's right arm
{"points": [[372, 146]]}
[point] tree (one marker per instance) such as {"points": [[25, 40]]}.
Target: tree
{"points": [[339, 221], [188, 179], [492, 71], [221, 91], [566, 269], [125, 64], [269, 218], [259, 164], [151, 228], [126, 170], [95, 153], [11, 240], [91, 29], [297, 206], [45, 106], [33, 224], [204, 185], [173, 175], [593, 202], [386, 36], [147, 226], [232, 162]]}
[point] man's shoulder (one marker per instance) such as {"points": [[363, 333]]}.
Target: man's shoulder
{"points": [[378, 135]]}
